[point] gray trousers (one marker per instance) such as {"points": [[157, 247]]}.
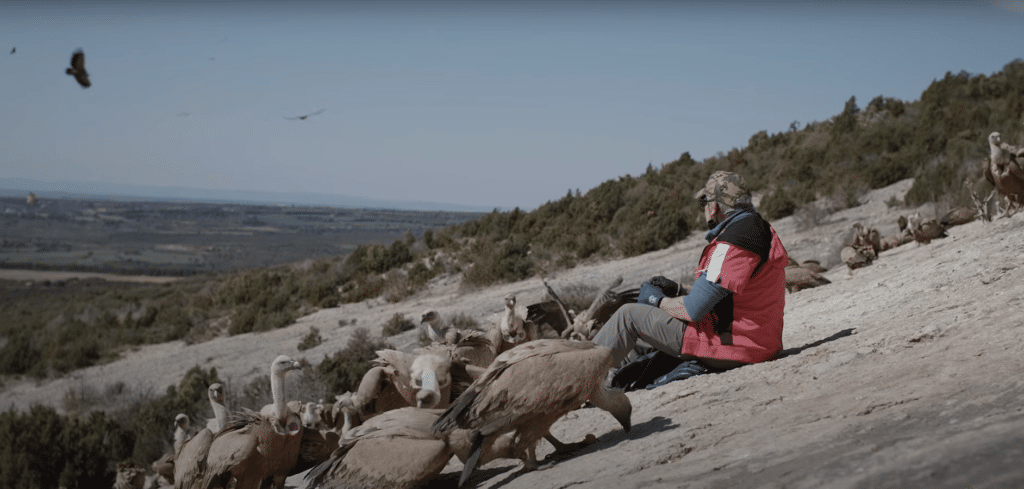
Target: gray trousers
{"points": [[651, 325], [634, 322]]}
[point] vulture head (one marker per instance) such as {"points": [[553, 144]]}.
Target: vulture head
{"points": [[430, 375]]}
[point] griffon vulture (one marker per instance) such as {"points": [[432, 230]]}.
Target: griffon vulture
{"points": [[258, 446], [190, 460], [527, 389]]}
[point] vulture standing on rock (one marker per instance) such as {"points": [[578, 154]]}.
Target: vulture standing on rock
{"points": [[190, 460], [527, 389], [853, 258], [164, 466], [469, 346], [258, 446], [1003, 170], [431, 320], [512, 329]]}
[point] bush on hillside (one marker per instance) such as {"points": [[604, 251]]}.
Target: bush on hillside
{"points": [[343, 371], [397, 324], [43, 449], [311, 340]]}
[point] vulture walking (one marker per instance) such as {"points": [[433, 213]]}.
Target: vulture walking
{"points": [[414, 455], [526, 390]]}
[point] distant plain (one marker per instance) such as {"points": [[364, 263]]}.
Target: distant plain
{"points": [[174, 239]]}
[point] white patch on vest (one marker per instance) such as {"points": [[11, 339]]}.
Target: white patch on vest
{"points": [[717, 259]]}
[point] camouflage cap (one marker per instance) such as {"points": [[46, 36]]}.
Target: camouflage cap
{"points": [[726, 187]]}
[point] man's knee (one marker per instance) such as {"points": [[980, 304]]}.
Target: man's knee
{"points": [[623, 319], [631, 313]]}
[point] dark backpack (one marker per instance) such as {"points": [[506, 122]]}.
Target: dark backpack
{"points": [[655, 369]]}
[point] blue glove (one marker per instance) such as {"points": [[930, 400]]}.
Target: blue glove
{"points": [[669, 287], [650, 295], [685, 370]]}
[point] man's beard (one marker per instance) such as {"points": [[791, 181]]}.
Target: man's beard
{"points": [[711, 224]]}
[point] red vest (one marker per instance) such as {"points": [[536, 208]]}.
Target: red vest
{"points": [[756, 304]]}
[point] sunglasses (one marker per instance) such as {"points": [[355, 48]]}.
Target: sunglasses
{"points": [[703, 201]]}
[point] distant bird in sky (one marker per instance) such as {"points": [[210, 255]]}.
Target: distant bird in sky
{"points": [[77, 69], [15, 48], [303, 117]]}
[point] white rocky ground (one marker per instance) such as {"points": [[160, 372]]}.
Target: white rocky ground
{"points": [[906, 373]]}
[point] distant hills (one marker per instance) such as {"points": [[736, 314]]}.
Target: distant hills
{"points": [[115, 191]]}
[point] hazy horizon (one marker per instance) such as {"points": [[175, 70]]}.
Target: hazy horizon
{"points": [[20, 188]]}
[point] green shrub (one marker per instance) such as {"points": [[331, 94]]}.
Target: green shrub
{"points": [[887, 170], [344, 370], [464, 321], [362, 288], [420, 273], [397, 324], [578, 296], [22, 355], [505, 262], [43, 449], [311, 340], [777, 205]]}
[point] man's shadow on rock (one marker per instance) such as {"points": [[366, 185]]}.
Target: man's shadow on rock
{"points": [[798, 350]]}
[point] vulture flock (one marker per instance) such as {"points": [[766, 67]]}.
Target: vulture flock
{"points": [[475, 395], [1002, 169]]}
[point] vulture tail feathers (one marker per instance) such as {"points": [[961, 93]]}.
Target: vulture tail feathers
{"points": [[476, 448]]}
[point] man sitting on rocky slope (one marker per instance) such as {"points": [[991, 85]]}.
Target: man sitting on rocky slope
{"points": [[733, 314]]}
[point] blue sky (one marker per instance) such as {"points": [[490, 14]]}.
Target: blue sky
{"points": [[490, 104]]}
